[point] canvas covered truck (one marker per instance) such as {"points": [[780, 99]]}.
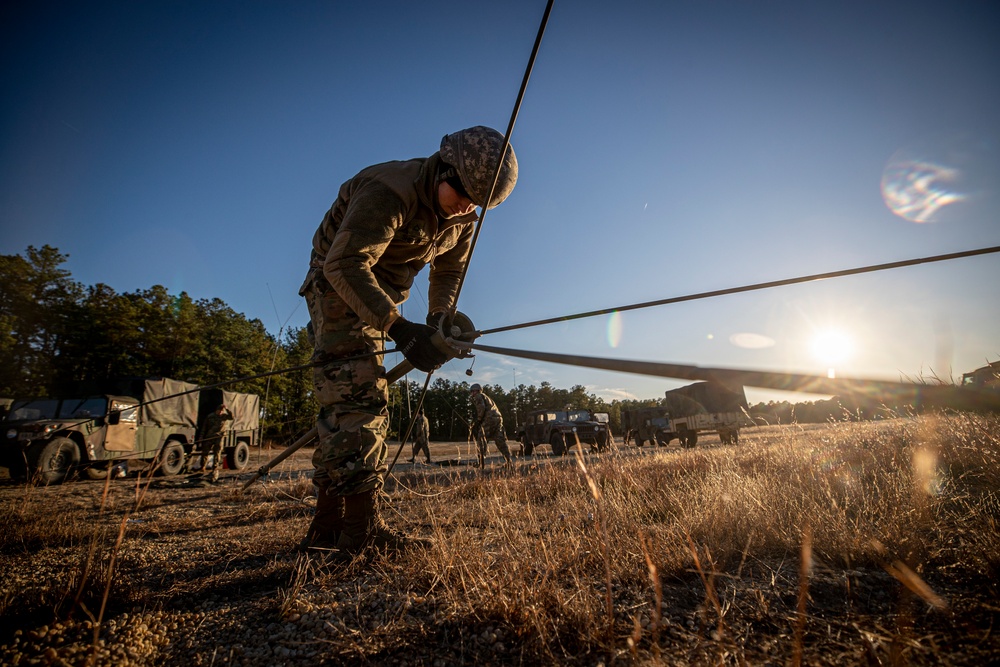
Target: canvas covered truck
{"points": [[152, 420], [706, 407], [563, 429], [686, 412]]}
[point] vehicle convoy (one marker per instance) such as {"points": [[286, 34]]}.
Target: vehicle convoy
{"points": [[563, 429], [153, 420], [686, 412]]}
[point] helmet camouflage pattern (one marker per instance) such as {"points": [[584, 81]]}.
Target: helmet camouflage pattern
{"points": [[474, 152]]}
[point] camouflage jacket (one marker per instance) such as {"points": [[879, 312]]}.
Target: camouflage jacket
{"points": [[484, 407], [382, 230], [214, 424]]}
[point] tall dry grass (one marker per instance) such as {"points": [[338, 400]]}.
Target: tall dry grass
{"points": [[721, 554]]}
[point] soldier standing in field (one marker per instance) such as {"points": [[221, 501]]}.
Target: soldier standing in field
{"points": [[387, 223], [421, 434], [488, 425], [211, 438]]}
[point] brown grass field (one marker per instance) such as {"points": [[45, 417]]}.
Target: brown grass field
{"points": [[850, 543]]}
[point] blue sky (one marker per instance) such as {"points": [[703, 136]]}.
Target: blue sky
{"points": [[664, 149]]}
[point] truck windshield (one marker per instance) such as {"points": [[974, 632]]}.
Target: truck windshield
{"points": [[45, 408], [579, 416], [52, 408], [86, 407]]}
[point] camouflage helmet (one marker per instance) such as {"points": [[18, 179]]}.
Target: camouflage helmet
{"points": [[475, 387], [474, 152]]}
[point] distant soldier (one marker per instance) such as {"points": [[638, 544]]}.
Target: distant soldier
{"points": [[421, 433], [211, 438], [488, 425]]}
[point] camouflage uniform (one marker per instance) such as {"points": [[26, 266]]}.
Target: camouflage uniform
{"points": [[211, 438], [421, 431], [489, 426], [383, 228]]}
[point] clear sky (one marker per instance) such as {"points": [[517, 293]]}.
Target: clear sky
{"points": [[665, 148]]}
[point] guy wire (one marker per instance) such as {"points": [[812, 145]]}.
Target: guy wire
{"points": [[748, 288], [506, 144]]}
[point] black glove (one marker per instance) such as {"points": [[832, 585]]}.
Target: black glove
{"points": [[434, 320], [414, 341]]}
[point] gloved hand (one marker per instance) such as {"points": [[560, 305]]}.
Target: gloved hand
{"points": [[414, 341], [434, 320]]}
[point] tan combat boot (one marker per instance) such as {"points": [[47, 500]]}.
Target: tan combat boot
{"points": [[363, 527], [327, 523]]}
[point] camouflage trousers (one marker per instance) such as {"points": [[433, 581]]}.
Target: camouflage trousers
{"points": [[211, 446], [492, 429], [353, 394]]}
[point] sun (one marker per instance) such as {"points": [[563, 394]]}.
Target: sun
{"points": [[832, 346]]}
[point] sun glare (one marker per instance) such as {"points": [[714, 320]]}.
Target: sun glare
{"points": [[832, 346]]}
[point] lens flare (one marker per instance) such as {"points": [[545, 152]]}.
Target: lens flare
{"points": [[751, 341], [614, 329], [941, 179]]}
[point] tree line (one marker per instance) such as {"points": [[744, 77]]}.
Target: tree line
{"points": [[56, 333]]}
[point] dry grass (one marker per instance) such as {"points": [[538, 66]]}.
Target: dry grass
{"points": [[852, 543]]}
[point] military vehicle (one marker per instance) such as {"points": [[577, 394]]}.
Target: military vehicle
{"points": [[702, 407], [987, 376], [643, 425], [153, 420], [563, 429]]}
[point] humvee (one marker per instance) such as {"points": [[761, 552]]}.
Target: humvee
{"points": [[154, 420], [562, 429]]}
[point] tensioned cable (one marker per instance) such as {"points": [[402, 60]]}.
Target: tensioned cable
{"points": [[943, 395], [506, 144], [749, 288]]}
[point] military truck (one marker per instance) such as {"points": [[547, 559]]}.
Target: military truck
{"points": [[562, 429], [987, 377], [153, 420], [650, 424], [702, 407], [706, 407]]}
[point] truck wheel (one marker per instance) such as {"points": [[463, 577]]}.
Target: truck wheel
{"points": [[527, 447], [558, 443], [56, 460], [661, 440], [171, 459], [238, 457]]}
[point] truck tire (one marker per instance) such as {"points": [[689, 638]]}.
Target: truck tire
{"points": [[688, 439], [55, 460], [238, 458], [662, 440], [171, 459], [558, 443]]}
